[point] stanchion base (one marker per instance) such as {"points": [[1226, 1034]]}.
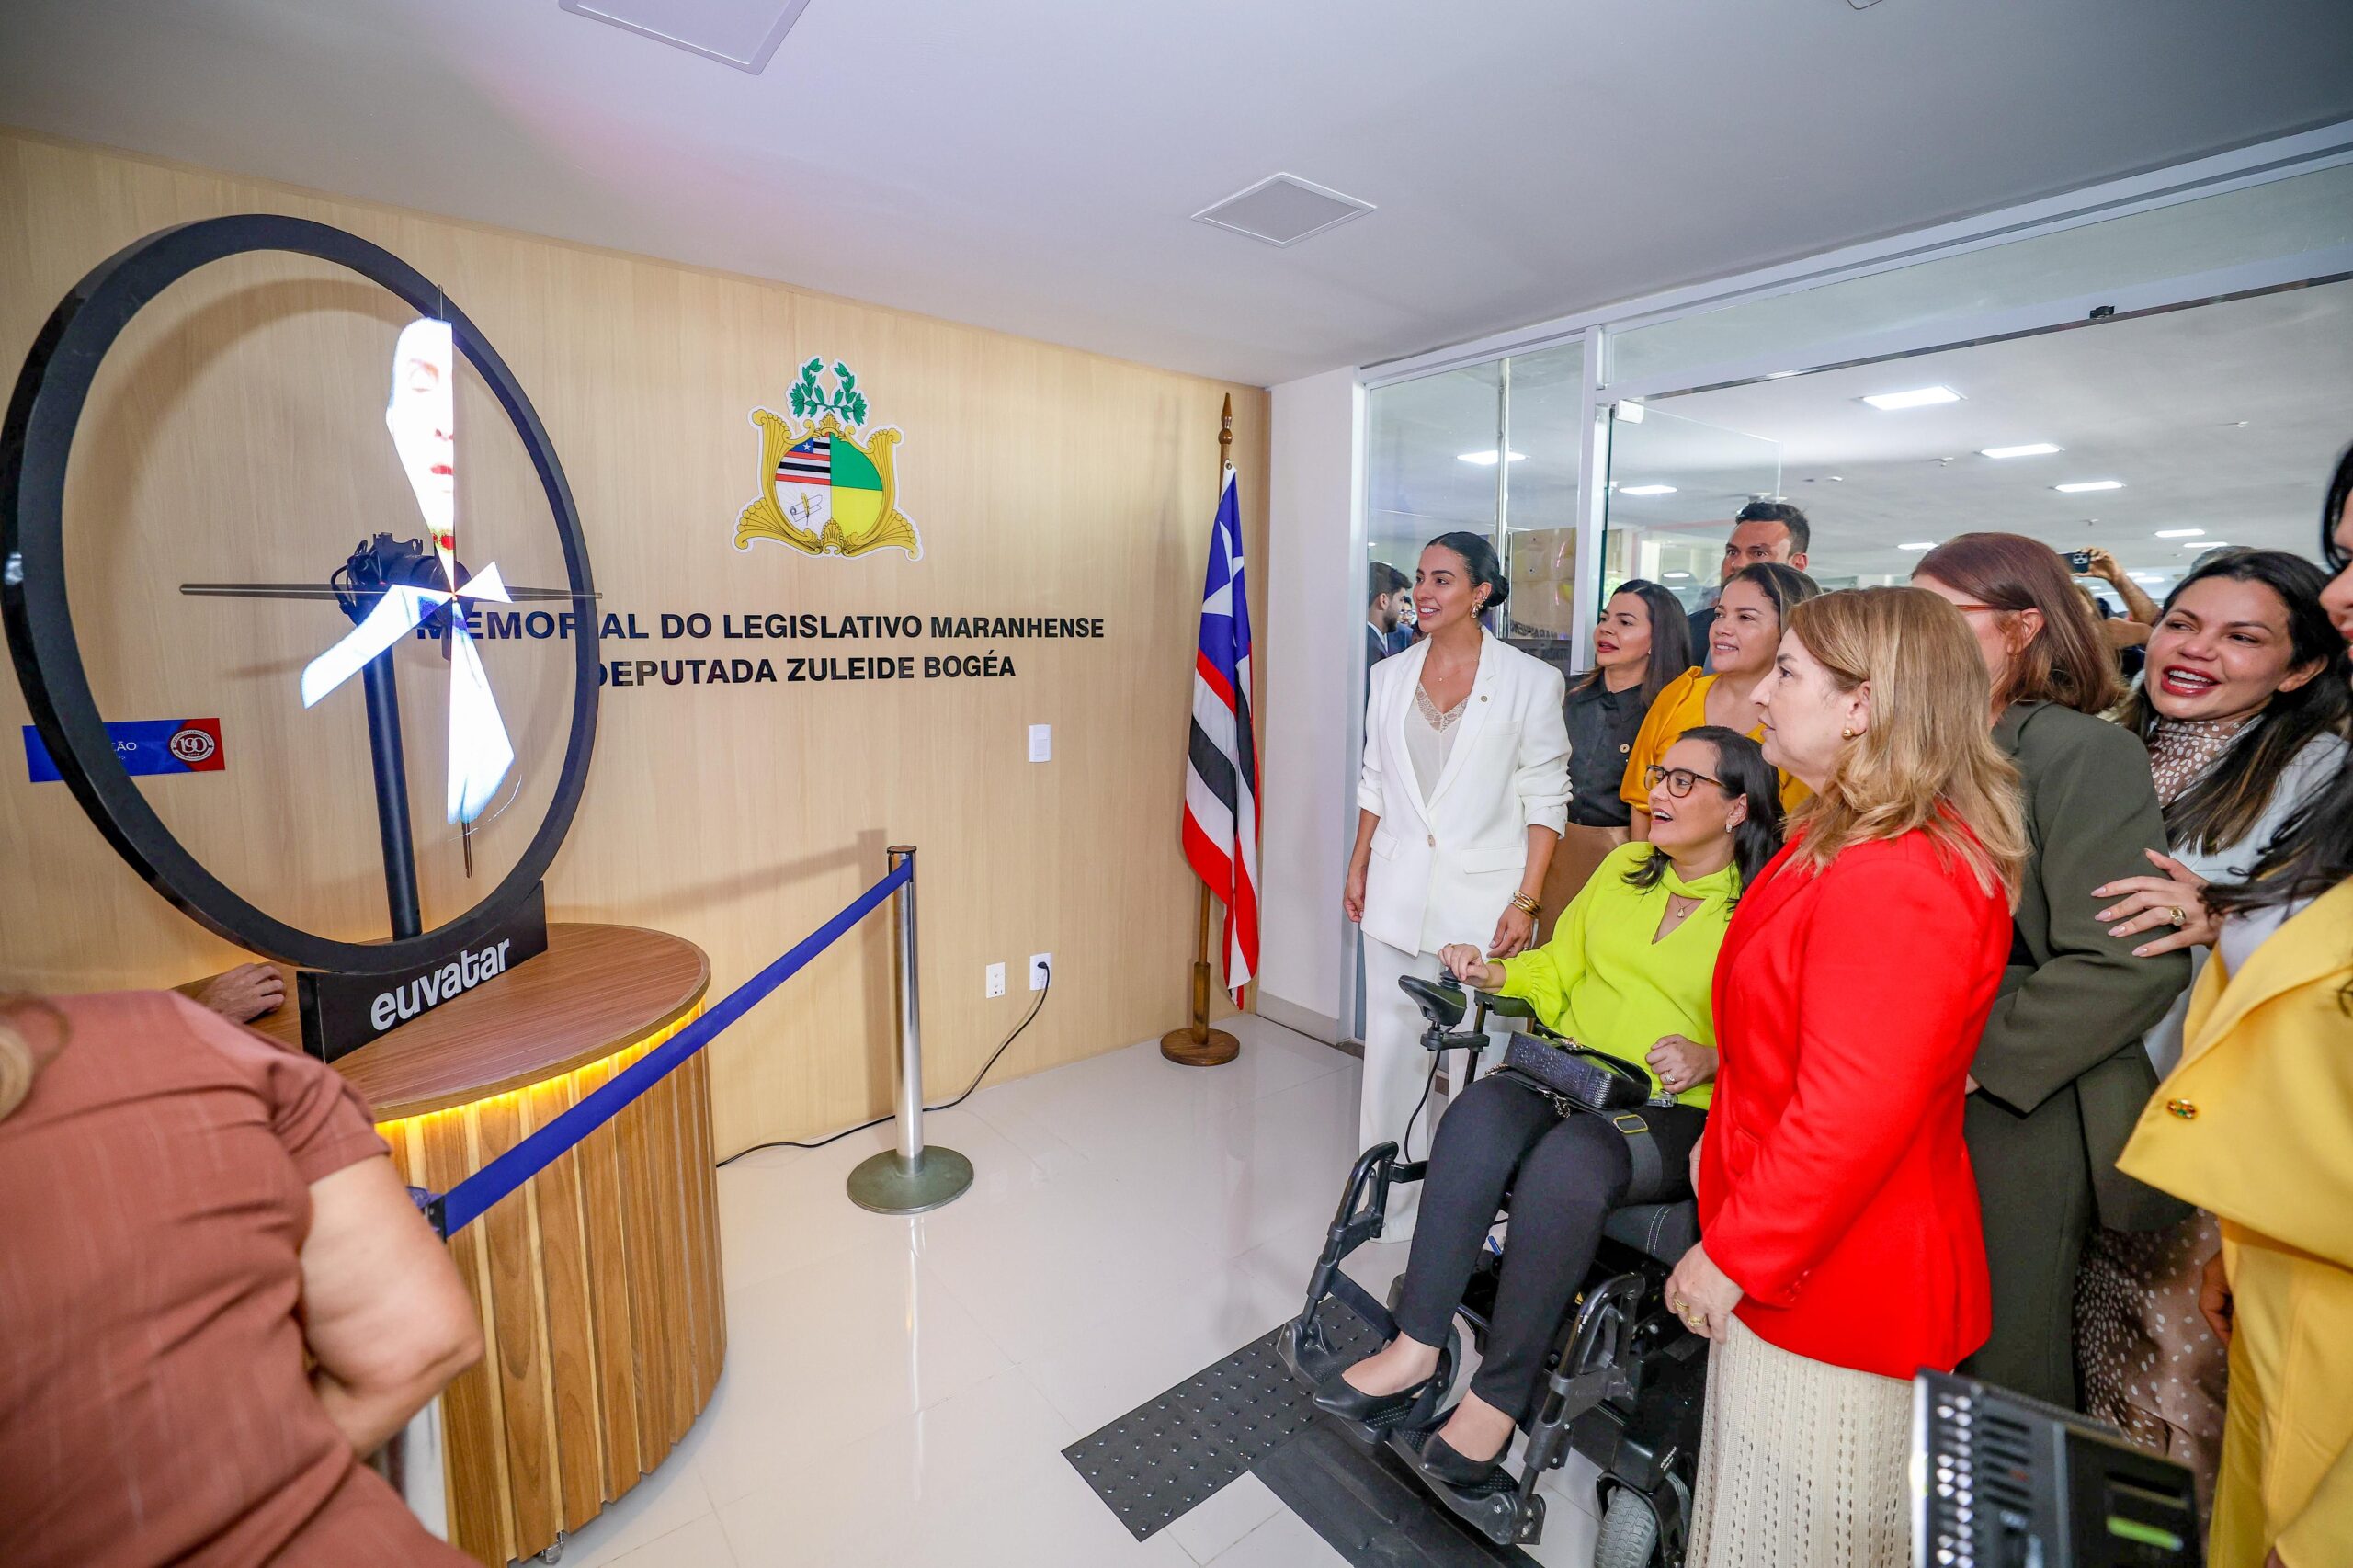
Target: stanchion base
{"points": [[1214, 1049], [889, 1184]]}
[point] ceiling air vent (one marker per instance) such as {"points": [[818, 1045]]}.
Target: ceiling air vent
{"points": [[741, 33], [1283, 209]]}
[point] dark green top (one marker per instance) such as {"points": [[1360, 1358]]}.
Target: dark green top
{"points": [[2074, 1002]]}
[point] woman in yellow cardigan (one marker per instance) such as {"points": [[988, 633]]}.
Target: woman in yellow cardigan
{"points": [[2256, 1125], [1627, 971]]}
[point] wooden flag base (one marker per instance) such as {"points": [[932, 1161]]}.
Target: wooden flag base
{"points": [[1196, 1044], [1215, 1047]]}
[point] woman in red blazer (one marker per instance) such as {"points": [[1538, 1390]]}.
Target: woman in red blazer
{"points": [[1841, 1247]]}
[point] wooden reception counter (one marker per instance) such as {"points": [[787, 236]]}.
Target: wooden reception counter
{"points": [[599, 1283]]}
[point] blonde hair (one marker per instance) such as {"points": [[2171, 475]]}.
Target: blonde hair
{"points": [[1928, 760]]}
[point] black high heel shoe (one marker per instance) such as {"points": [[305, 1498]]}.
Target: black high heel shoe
{"points": [[1466, 1477], [1337, 1396]]}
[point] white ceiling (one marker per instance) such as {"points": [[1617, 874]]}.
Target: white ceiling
{"points": [[2225, 417], [1029, 164]]}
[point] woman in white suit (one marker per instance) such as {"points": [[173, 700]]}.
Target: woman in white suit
{"points": [[1464, 791]]}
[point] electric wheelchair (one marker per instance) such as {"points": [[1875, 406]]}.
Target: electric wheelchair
{"points": [[1623, 1385]]}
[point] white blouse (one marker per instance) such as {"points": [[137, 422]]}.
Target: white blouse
{"points": [[1430, 739]]}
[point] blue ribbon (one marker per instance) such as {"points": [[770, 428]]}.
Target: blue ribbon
{"points": [[465, 1203]]}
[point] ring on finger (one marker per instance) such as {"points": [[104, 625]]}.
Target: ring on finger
{"points": [[2180, 916]]}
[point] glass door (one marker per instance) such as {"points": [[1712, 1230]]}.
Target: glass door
{"points": [[1675, 485]]}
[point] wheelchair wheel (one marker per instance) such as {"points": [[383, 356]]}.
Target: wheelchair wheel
{"points": [[1629, 1535]]}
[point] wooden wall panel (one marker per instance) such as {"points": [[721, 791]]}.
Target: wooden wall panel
{"points": [[242, 434]]}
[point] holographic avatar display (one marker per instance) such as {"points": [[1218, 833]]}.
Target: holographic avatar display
{"points": [[422, 416]]}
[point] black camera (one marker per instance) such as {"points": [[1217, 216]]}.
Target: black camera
{"points": [[2079, 561]]}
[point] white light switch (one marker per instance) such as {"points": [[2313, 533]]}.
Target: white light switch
{"points": [[1041, 743]]}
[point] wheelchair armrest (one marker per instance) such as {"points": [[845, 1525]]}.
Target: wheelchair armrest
{"points": [[1515, 1007], [1497, 1006]]}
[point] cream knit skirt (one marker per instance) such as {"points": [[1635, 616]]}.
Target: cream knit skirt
{"points": [[1801, 1464]]}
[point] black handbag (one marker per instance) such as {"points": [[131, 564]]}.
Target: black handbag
{"points": [[1578, 1073], [1579, 1078]]}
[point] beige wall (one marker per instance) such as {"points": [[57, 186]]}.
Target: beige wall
{"points": [[236, 434]]}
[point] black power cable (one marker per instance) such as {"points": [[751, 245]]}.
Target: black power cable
{"points": [[1044, 992], [1406, 1150]]}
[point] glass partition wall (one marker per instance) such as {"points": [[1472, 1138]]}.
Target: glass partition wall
{"points": [[2153, 367], [1676, 483], [1494, 450]]}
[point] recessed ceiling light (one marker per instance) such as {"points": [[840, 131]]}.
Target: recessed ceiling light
{"points": [[1778, 375], [2087, 485], [1924, 544], [2179, 533], [1487, 457], [1648, 490], [2147, 576], [1919, 397], [1676, 576], [2031, 449], [2208, 544]]}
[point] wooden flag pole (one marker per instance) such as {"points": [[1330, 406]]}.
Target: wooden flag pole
{"points": [[1196, 1044]]}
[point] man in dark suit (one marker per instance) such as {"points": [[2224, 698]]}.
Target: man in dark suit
{"points": [[1386, 591], [1765, 530]]}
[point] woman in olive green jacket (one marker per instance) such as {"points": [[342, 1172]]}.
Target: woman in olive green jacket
{"points": [[2061, 1075]]}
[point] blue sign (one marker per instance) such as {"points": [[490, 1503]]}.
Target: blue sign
{"points": [[145, 745]]}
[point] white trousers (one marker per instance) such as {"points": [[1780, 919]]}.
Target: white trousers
{"points": [[1396, 1070]]}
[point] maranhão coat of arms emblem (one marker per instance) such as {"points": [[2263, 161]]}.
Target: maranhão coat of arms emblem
{"points": [[822, 492]]}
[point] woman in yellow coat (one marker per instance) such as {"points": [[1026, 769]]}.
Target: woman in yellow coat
{"points": [[2257, 1125]]}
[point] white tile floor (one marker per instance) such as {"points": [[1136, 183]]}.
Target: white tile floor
{"points": [[898, 1391]]}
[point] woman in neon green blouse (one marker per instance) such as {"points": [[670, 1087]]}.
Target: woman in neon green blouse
{"points": [[1630, 966], [1629, 970]]}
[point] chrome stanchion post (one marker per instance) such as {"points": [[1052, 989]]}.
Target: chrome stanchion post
{"points": [[902, 963], [912, 1177]]}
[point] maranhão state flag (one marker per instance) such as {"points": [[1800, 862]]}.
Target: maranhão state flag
{"points": [[1221, 768], [824, 480]]}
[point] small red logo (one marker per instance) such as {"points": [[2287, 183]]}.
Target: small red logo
{"points": [[197, 745]]}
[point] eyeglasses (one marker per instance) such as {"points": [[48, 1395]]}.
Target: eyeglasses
{"points": [[1678, 781]]}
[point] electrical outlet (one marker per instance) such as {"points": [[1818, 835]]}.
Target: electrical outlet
{"points": [[1038, 964], [1041, 743], [997, 980]]}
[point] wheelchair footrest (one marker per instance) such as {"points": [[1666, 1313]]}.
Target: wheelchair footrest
{"points": [[1371, 1508]]}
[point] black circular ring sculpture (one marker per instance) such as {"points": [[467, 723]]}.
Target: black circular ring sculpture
{"points": [[36, 444]]}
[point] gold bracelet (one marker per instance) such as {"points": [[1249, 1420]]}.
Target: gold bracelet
{"points": [[1526, 905]]}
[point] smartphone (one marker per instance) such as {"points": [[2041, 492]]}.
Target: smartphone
{"points": [[2079, 561]]}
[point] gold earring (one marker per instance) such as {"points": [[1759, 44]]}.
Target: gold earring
{"points": [[1845, 735]]}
